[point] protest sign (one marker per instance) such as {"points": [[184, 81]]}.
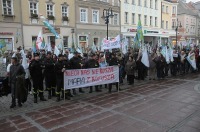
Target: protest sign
{"points": [[111, 44], [78, 78]]}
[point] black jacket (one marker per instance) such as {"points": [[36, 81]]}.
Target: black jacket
{"points": [[113, 62], [91, 63], [36, 68], [49, 67], [58, 69], [75, 63]]}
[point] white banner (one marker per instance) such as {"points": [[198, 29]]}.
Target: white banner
{"points": [[191, 60], [80, 78], [111, 44]]}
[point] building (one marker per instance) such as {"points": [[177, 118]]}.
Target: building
{"points": [[169, 19], [149, 12], [10, 24], [26, 27], [90, 25], [60, 14], [189, 19]]}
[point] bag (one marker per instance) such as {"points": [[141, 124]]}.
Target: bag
{"points": [[4, 88]]}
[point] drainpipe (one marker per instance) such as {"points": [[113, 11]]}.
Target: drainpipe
{"points": [[21, 22]]}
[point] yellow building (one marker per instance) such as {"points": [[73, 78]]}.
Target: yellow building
{"points": [[60, 14], [10, 24], [169, 18]]}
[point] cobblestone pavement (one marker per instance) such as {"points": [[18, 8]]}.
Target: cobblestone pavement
{"points": [[171, 105]]}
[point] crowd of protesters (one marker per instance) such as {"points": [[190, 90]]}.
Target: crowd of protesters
{"points": [[45, 69]]}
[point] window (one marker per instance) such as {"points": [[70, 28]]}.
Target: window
{"points": [[139, 3], [133, 18], [162, 24], [156, 4], [166, 24], [83, 15], [163, 8], [95, 16], [133, 2], [33, 8], [150, 20], [115, 19], [7, 7], [139, 17], [151, 4], [174, 10], [64, 11], [65, 41], [156, 23], [145, 20], [50, 10], [167, 9], [126, 1], [145, 3], [173, 23], [126, 17]]}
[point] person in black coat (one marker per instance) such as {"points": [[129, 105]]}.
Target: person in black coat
{"points": [[92, 63], [49, 73], [60, 67], [113, 62], [16, 71], [76, 62], [36, 68]]}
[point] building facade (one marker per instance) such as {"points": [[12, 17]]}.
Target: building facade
{"points": [[169, 20], [60, 14], [10, 24], [90, 25], [190, 23]]}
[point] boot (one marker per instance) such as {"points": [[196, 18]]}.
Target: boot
{"points": [[81, 90], [13, 103], [53, 92], [109, 90], [42, 98], [49, 95], [58, 98], [69, 94], [19, 103], [35, 98], [97, 89], [74, 91], [91, 90]]}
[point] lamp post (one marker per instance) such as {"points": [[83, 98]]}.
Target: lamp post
{"points": [[176, 27], [73, 46], [107, 13]]}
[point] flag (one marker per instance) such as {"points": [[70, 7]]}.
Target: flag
{"points": [[24, 61], [136, 41], [56, 51], [167, 56], [49, 48], [43, 44], [39, 40], [34, 49], [191, 60], [145, 58], [140, 32]]}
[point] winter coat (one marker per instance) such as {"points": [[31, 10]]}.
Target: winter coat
{"points": [[152, 62], [130, 67]]}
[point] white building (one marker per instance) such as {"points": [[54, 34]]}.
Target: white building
{"points": [[149, 12]]}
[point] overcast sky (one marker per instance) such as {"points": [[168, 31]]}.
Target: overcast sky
{"points": [[193, 0]]}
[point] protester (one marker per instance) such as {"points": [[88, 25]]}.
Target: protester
{"points": [[16, 74]]}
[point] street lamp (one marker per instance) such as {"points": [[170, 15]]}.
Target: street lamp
{"points": [[107, 13], [176, 29]]}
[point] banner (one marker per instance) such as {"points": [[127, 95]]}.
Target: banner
{"points": [[111, 44], [191, 60], [80, 78]]}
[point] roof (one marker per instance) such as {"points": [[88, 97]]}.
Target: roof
{"points": [[186, 8]]}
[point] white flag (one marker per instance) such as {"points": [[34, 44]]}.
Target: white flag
{"points": [[145, 58], [56, 51], [39, 40], [192, 61]]}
